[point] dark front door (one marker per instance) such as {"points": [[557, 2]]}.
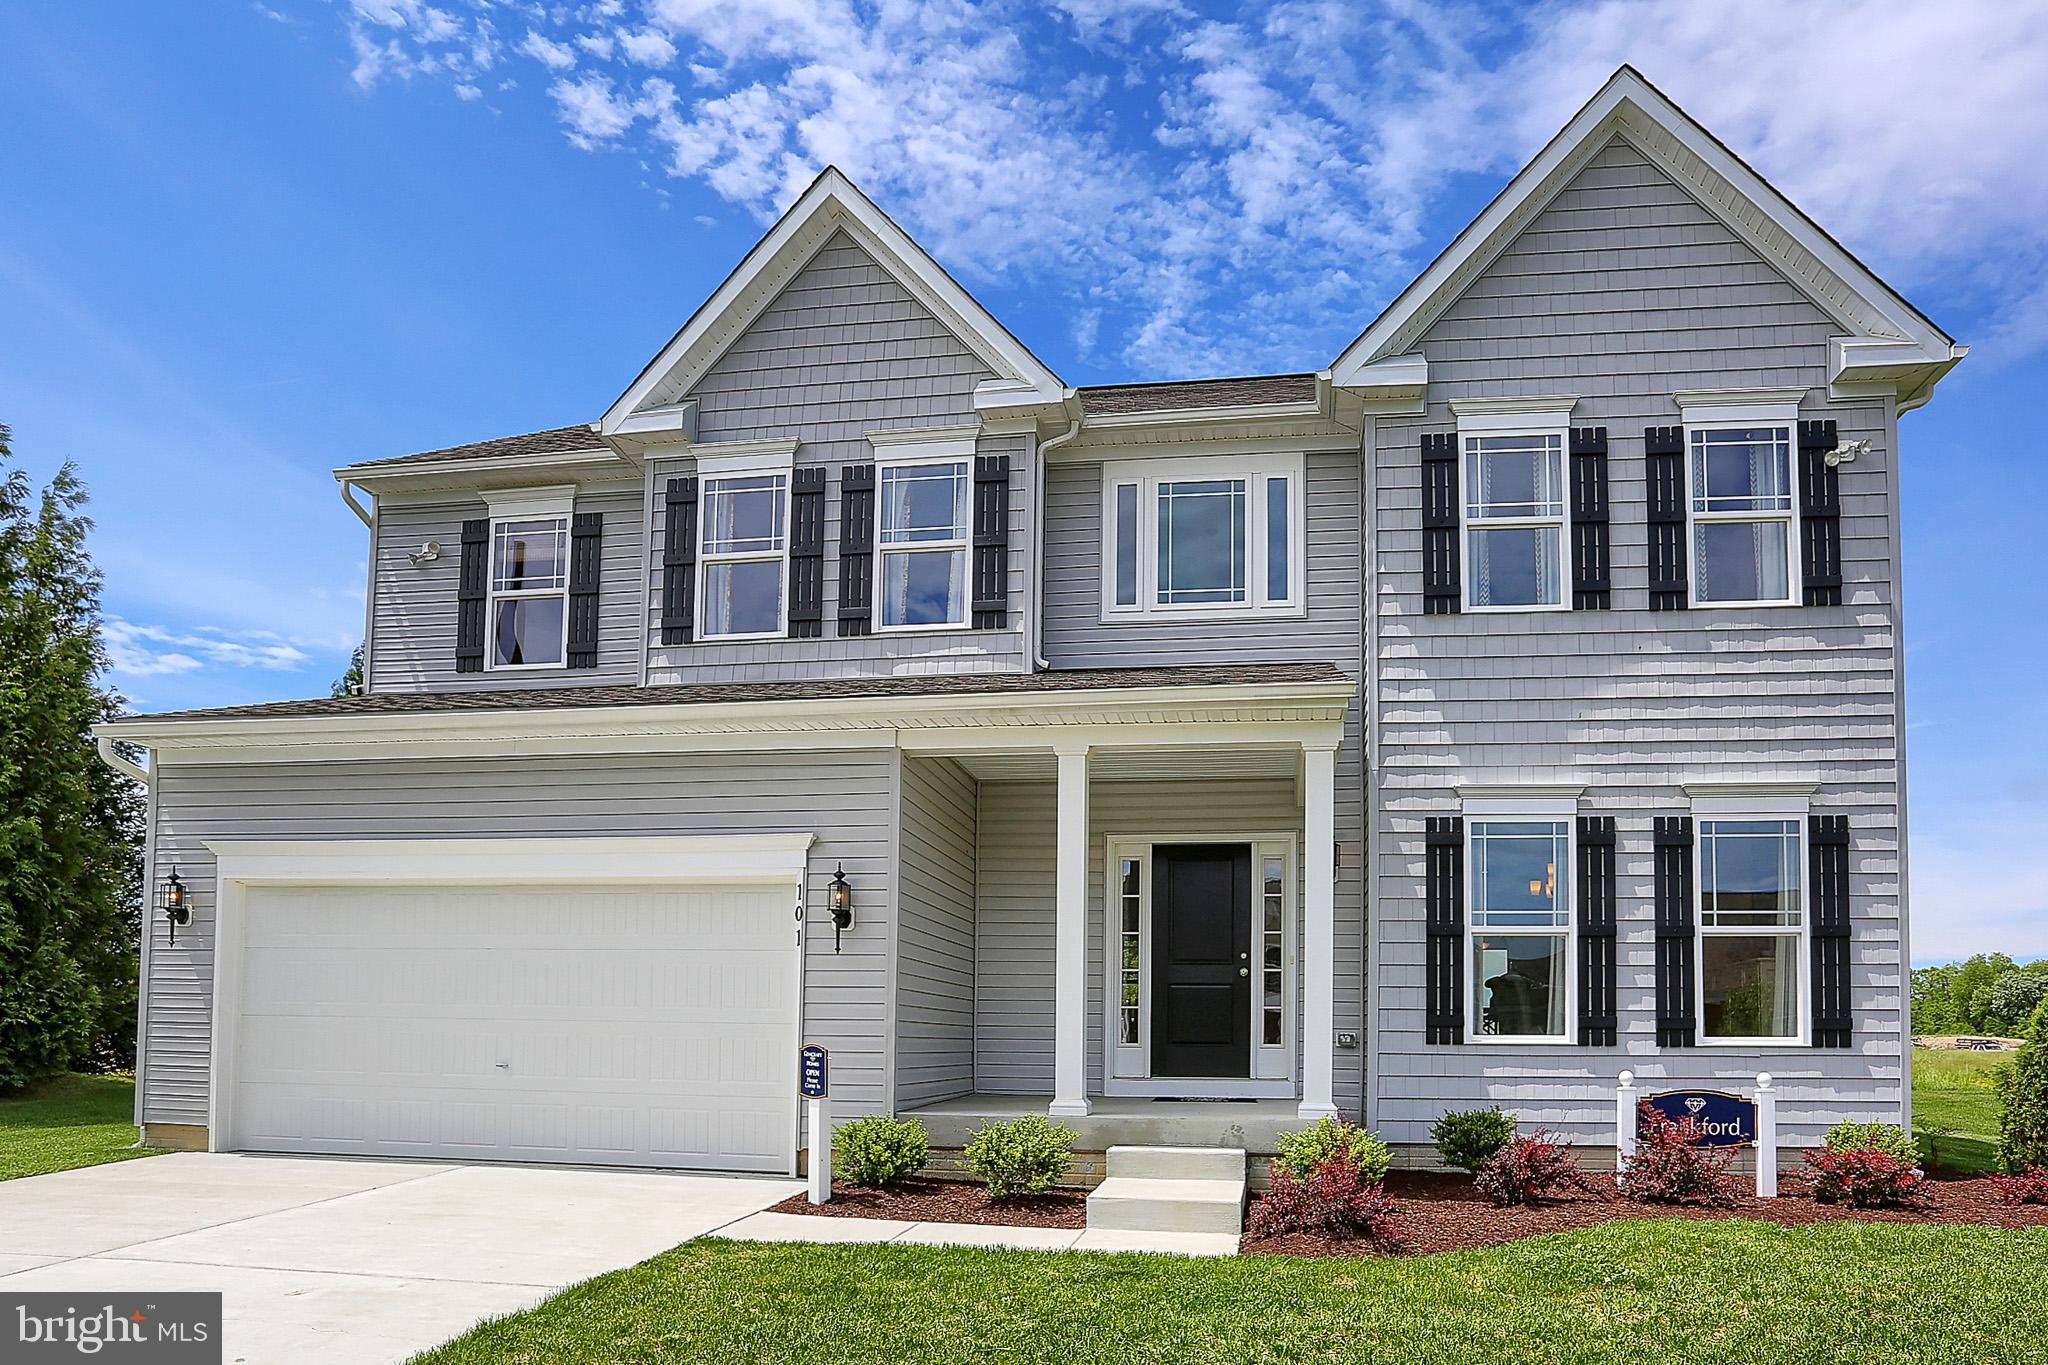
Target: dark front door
{"points": [[1201, 963]]}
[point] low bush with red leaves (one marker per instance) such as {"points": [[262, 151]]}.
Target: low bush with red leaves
{"points": [[2028, 1187], [1526, 1169], [1335, 1200], [1864, 1178], [1671, 1167]]}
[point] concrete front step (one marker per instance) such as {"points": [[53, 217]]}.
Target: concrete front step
{"points": [[1137, 1204], [1177, 1163]]}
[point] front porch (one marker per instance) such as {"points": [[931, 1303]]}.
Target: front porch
{"points": [[1119, 1121]]}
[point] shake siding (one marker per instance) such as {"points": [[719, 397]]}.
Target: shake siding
{"points": [[845, 797], [844, 350], [1624, 291], [412, 645], [935, 933]]}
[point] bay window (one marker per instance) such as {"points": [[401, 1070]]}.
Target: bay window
{"points": [[743, 556], [1514, 520], [1204, 537], [921, 560], [1521, 926], [1752, 923]]}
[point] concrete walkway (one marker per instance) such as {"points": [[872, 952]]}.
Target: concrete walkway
{"points": [[800, 1227], [350, 1261]]}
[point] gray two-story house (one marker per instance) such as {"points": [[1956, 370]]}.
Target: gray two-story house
{"points": [[1512, 701]]}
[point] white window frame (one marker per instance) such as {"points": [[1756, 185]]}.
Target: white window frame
{"points": [[1787, 809], [1256, 471], [964, 542], [1735, 409], [755, 460], [1524, 811], [554, 503], [1541, 416]]}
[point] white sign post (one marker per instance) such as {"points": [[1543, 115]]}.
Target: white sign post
{"points": [[1766, 1138], [1625, 1121], [814, 1084]]}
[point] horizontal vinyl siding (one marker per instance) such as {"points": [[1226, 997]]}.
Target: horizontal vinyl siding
{"points": [[845, 797], [412, 646], [1624, 292], [935, 933]]}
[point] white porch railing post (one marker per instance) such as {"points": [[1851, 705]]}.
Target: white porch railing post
{"points": [[1070, 939], [1766, 1138], [1625, 1121], [1319, 933]]}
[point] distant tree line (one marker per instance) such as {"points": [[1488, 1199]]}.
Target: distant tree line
{"points": [[1989, 994]]}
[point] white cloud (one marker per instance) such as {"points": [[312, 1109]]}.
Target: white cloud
{"points": [[140, 651], [648, 48], [549, 53]]}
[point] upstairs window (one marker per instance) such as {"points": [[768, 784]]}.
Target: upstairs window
{"points": [[743, 557], [1742, 533], [1752, 922], [1203, 537], [528, 610], [1521, 928], [1514, 521], [922, 558]]}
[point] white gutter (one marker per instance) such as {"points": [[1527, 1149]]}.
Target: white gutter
{"points": [[348, 495], [111, 756], [1038, 662]]}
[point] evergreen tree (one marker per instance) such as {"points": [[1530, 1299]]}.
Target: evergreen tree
{"points": [[2023, 1100], [350, 683], [70, 899]]}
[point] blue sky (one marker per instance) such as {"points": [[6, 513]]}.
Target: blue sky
{"points": [[242, 243]]}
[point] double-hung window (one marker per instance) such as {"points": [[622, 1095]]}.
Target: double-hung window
{"points": [[1521, 927], [1515, 521], [1204, 537], [527, 614], [743, 555], [1752, 924], [921, 561], [1740, 496]]}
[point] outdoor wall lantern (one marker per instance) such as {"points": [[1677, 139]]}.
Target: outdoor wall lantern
{"points": [[171, 899], [842, 906]]}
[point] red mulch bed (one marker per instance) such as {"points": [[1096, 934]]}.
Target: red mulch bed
{"points": [[1441, 1212], [946, 1201]]}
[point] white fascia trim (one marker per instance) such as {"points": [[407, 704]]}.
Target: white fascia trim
{"points": [[1393, 384], [1750, 798], [831, 203], [1478, 416], [549, 500], [1739, 407], [778, 858], [676, 420], [1552, 800], [924, 443], [744, 457]]}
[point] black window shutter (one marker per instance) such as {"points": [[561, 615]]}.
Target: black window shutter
{"points": [[679, 563], [1827, 841], [471, 590], [807, 552], [1664, 474], [1591, 580], [586, 568], [1440, 590], [1596, 931], [991, 542], [857, 549], [1820, 515], [1675, 1018], [1445, 883]]}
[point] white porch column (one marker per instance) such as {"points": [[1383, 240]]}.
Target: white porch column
{"points": [[1070, 938], [1319, 932]]}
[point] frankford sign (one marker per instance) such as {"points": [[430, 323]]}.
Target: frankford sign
{"points": [[1725, 1120], [813, 1072]]}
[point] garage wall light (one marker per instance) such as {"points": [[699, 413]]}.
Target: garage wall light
{"points": [[842, 906], [171, 900]]}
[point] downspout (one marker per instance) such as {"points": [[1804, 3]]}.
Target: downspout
{"points": [[369, 519], [113, 759], [1073, 406]]}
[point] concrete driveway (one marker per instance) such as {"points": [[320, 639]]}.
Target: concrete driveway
{"points": [[344, 1260]]}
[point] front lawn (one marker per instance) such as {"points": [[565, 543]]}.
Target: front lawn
{"points": [[1638, 1290], [1953, 1090], [67, 1122]]}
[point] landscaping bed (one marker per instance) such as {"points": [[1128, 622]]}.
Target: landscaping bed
{"points": [[1442, 1212], [946, 1201]]}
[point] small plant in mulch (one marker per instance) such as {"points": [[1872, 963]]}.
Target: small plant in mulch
{"points": [[1027, 1155], [1671, 1167], [1336, 1201], [1865, 1178], [1527, 1169], [1334, 1139], [879, 1151], [2028, 1187], [1889, 1138], [1467, 1139]]}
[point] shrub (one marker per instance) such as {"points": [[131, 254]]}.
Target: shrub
{"points": [[1026, 1155], [1332, 1139], [1467, 1139], [1335, 1201], [879, 1150], [1867, 1179], [2023, 1101], [1526, 1169], [2028, 1187], [1889, 1138], [1669, 1168]]}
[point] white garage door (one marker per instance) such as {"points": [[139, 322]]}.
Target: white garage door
{"points": [[633, 1026]]}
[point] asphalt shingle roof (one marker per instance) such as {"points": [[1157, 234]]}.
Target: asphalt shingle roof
{"points": [[1198, 393], [553, 441]]}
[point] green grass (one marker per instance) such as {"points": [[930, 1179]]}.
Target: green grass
{"points": [[68, 1122], [1953, 1090], [1638, 1291]]}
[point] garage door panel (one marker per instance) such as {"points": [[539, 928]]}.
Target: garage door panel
{"points": [[626, 1026]]}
